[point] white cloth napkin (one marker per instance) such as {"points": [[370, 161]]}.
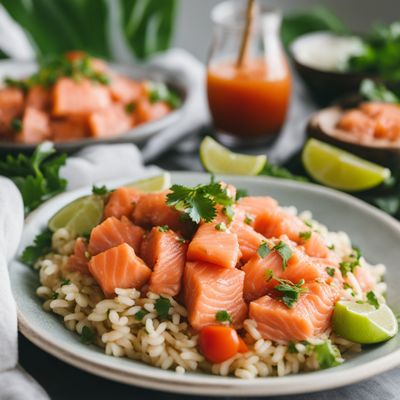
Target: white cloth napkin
{"points": [[89, 166]]}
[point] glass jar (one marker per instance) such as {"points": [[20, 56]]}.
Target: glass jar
{"points": [[248, 102]]}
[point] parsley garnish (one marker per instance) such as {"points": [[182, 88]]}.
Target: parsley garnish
{"points": [[305, 235], [223, 316], [199, 203], [37, 177], [87, 336], [292, 348], [328, 355], [130, 107], [160, 92], [290, 291], [164, 228], [263, 250], [241, 193], [285, 251], [65, 282], [372, 299], [162, 306], [221, 227], [16, 125], [248, 220], [54, 296], [100, 190], [140, 314], [41, 246], [330, 271]]}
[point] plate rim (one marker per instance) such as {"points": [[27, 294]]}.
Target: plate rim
{"points": [[291, 384]]}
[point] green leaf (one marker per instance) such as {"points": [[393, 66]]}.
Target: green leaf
{"points": [[223, 316], [87, 336], [377, 92], [164, 228], [41, 246], [285, 252], [330, 271], [372, 299], [148, 25], [305, 235], [328, 355], [221, 227], [162, 306], [100, 190], [263, 250], [280, 172], [140, 314], [290, 292], [241, 193]]}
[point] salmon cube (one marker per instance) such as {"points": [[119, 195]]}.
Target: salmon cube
{"points": [[358, 123], [254, 206], [113, 232], [310, 316], [119, 267], [81, 97], [125, 90], [66, 129], [111, 121], [146, 111], [208, 289], [165, 253], [11, 106], [39, 97], [121, 202], [79, 260], [35, 127]]}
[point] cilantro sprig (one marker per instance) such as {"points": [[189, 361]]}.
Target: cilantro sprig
{"points": [[223, 316], [162, 306], [199, 203], [281, 248], [372, 299], [37, 177], [351, 263], [290, 291], [41, 246], [327, 354]]}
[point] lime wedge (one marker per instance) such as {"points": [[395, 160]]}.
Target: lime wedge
{"points": [[80, 216], [152, 184], [339, 169], [219, 160], [363, 323]]}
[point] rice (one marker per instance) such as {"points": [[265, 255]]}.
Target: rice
{"points": [[114, 325]]}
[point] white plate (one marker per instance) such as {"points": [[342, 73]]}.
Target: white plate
{"points": [[377, 234]]}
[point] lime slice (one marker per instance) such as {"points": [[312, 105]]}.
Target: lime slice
{"points": [[152, 184], [363, 323], [219, 160], [339, 169], [80, 216]]}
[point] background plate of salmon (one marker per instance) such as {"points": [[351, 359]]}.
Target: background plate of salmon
{"points": [[375, 232], [138, 134]]}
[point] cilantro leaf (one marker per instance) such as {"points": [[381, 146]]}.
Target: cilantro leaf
{"points": [[221, 227], [290, 292], [140, 314], [305, 235], [372, 299], [327, 354], [285, 252], [65, 282], [241, 193], [223, 316], [41, 246], [263, 250], [164, 228], [160, 92], [248, 220], [330, 271], [280, 172], [87, 335], [16, 124], [100, 190], [162, 306], [377, 92], [292, 348]]}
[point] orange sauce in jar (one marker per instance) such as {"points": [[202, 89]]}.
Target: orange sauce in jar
{"points": [[250, 101]]}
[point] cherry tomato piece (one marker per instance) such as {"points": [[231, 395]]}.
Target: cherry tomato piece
{"points": [[242, 346], [218, 343]]}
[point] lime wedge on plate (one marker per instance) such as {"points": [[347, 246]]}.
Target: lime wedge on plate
{"points": [[152, 184], [219, 160], [339, 169], [80, 216], [363, 323]]}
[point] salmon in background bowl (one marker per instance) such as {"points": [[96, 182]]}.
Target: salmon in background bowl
{"points": [[76, 100]]}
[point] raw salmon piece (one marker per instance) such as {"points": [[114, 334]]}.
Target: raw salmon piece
{"points": [[119, 267], [111, 121], [39, 97], [78, 261], [214, 246], [125, 90], [11, 106], [365, 279], [165, 253], [309, 317], [388, 125], [79, 97], [358, 123], [35, 127], [121, 202], [254, 206], [208, 289], [146, 111], [374, 108], [65, 129], [277, 222], [151, 210], [113, 232]]}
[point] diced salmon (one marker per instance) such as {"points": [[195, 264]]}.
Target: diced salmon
{"points": [[165, 253], [275, 222], [365, 279], [214, 246], [388, 125], [151, 210], [309, 317], [121, 202], [39, 97], [35, 127], [81, 97], [208, 289], [111, 121], [125, 90], [145, 111], [78, 261], [374, 108], [11, 106], [113, 232], [119, 267], [254, 206], [66, 129], [358, 123]]}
